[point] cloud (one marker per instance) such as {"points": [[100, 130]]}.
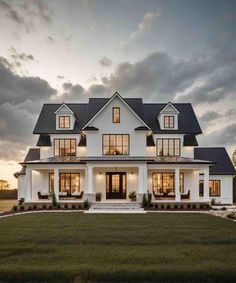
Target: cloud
{"points": [[145, 24], [105, 62], [209, 116], [50, 40], [16, 89], [60, 77], [11, 13]]}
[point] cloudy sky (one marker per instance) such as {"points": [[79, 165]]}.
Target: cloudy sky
{"points": [[55, 50]]}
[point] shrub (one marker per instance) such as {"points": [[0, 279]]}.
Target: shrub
{"points": [[182, 206], [86, 204], [162, 206], [79, 206], [20, 201], [232, 215], [176, 206], [168, 206], [54, 200], [144, 201], [73, 206], [156, 206], [201, 206], [22, 207], [132, 196], [44, 206], [29, 208], [223, 208], [189, 206], [65, 206], [14, 207], [213, 201], [98, 196], [194, 206], [58, 206], [149, 199], [35, 206], [50, 207]]}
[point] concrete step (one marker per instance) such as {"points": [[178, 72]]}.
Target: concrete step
{"points": [[116, 211], [115, 206]]}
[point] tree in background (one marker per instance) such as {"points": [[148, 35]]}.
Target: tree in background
{"points": [[234, 158], [4, 185]]}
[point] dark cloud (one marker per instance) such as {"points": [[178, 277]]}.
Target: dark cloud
{"points": [[16, 89], [60, 77], [105, 62], [20, 55], [209, 116], [11, 13], [50, 40]]}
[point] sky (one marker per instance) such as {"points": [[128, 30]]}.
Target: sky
{"points": [[160, 50]]}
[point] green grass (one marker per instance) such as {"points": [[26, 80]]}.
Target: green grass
{"points": [[76, 247]]}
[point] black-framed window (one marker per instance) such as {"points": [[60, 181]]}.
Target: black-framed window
{"points": [[116, 115], [64, 147], [69, 182], [169, 122], [168, 147], [164, 182], [214, 188], [115, 144], [51, 182], [64, 122]]}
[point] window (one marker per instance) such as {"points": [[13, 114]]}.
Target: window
{"points": [[64, 122], [115, 144], [116, 115], [168, 147], [64, 147], [214, 187], [168, 121], [51, 182], [165, 182], [69, 182]]}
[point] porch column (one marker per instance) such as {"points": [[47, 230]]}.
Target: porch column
{"points": [[177, 192], [206, 185], [28, 184], [194, 194], [142, 182], [56, 183], [89, 193]]}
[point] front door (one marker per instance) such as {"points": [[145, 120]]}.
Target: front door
{"points": [[116, 185]]}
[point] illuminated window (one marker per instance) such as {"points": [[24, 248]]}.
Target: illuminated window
{"points": [[165, 182], [168, 147], [64, 122], [214, 188], [51, 182], [116, 114], [64, 147], [69, 182], [115, 144], [168, 122]]}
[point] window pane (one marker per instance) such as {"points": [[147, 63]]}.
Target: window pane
{"points": [[56, 147], [177, 147], [165, 147], [159, 147], [116, 115], [171, 147], [115, 144], [67, 122]]}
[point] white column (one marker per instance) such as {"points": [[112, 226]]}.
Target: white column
{"points": [[89, 182], [177, 192], [56, 183], [194, 193], [206, 185], [28, 184], [142, 180]]}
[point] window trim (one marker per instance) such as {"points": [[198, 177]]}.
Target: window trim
{"points": [[64, 147], [49, 182], [109, 144], [181, 188], [162, 139], [210, 194], [113, 115], [169, 116], [59, 118]]}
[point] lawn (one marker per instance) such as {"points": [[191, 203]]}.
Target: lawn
{"points": [[76, 247]]}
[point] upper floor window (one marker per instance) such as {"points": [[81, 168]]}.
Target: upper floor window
{"points": [[64, 147], [115, 145], [168, 147], [169, 122], [64, 122], [116, 115]]}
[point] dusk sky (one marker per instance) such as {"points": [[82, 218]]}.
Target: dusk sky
{"points": [[54, 51]]}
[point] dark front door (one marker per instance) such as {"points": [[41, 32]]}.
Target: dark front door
{"points": [[116, 185]]}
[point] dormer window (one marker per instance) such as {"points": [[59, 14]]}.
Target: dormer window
{"points": [[64, 122], [169, 122], [116, 115]]}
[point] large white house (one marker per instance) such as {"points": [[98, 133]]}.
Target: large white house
{"points": [[116, 146]]}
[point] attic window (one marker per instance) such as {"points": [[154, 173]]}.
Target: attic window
{"points": [[116, 114], [64, 122], [169, 122]]}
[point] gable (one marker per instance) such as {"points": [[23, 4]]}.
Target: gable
{"points": [[169, 108]]}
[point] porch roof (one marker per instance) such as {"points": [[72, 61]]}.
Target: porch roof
{"points": [[149, 160]]}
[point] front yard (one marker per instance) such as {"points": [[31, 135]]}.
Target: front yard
{"points": [[156, 247]]}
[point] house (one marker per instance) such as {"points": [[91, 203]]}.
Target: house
{"points": [[116, 146]]}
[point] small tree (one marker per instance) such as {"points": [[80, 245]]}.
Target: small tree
{"points": [[144, 202], [54, 200], [4, 185], [234, 158]]}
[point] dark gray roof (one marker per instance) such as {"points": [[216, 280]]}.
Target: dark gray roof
{"points": [[44, 140], [148, 112], [220, 156], [190, 140]]}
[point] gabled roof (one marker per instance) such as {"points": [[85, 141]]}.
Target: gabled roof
{"points": [[66, 106], [116, 94], [219, 155], [147, 112], [169, 104]]}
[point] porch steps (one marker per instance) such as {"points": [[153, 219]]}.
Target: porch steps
{"points": [[115, 207]]}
